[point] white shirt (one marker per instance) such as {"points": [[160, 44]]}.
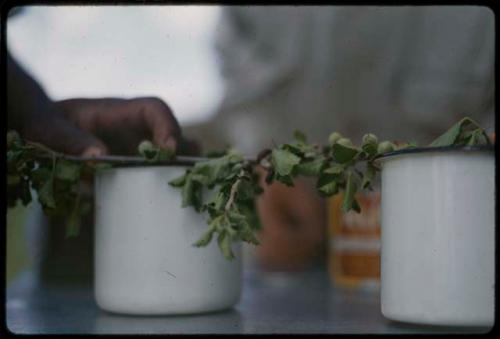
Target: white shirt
{"points": [[403, 73]]}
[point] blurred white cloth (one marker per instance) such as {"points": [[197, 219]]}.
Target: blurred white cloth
{"points": [[402, 73]]}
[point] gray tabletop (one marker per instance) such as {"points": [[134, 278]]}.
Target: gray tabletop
{"points": [[304, 302]]}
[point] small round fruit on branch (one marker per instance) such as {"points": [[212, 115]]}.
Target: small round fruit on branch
{"points": [[385, 147]]}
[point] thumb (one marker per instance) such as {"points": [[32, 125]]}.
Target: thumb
{"points": [[63, 136]]}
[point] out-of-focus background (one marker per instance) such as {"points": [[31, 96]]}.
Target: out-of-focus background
{"points": [[248, 76], [96, 51]]}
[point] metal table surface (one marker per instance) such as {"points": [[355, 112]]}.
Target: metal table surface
{"points": [[271, 303]]}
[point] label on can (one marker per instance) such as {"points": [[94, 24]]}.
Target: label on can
{"points": [[354, 242]]}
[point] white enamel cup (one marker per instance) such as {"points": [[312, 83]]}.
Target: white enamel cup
{"points": [[438, 236], [145, 263]]}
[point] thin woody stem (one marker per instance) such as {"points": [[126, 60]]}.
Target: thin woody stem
{"points": [[234, 189]]}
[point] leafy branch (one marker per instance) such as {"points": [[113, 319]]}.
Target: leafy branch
{"points": [[337, 166], [33, 166], [224, 187]]}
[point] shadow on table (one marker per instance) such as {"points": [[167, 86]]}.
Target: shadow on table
{"points": [[228, 321]]}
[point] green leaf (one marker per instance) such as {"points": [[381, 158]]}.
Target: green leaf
{"points": [[329, 189], [284, 161], [191, 194], [334, 169], [310, 168], [477, 137], [370, 149], [46, 194], [67, 170], [350, 192], [220, 200], [246, 233], [343, 153], [218, 223], [295, 148], [205, 238], [249, 237], [451, 136], [245, 191], [214, 169], [201, 178], [327, 185], [179, 181], [236, 217], [224, 241]]}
